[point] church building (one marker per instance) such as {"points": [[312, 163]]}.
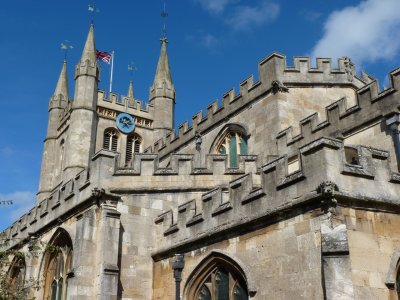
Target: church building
{"points": [[287, 189]]}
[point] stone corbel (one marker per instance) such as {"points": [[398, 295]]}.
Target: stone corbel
{"points": [[278, 87], [105, 199]]}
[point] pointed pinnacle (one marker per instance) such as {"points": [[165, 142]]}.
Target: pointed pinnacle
{"points": [[62, 84], [131, 94], [89, 51], [163, 73]]}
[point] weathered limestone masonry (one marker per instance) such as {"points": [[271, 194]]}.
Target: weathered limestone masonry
{"points": [[287, 190]]}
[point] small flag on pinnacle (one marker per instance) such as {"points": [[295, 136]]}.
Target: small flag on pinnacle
{"points": [[104, 56]]}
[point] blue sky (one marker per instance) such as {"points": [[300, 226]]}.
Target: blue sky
{"points": [[213, 46]]}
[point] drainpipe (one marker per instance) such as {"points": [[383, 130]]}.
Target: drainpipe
{"points": [[177, 265], [393, 124]]}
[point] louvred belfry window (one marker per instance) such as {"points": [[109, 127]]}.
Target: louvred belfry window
{"points": [[110, 141], [133, 145]]}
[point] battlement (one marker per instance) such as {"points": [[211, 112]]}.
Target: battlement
{"points": [[280, 192], [105, 171], [63, 198], [339, 117], [119, 103], [146, 164], [271, 71]]}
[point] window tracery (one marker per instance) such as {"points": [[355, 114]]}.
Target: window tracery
{"points": [[58, 268], [233, 144], [221, 284], [110, 140], [133, 145]]}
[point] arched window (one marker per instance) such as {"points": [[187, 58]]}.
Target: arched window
{"points": [[110, 141], [58, 267], [16, 278], [133, 145], [218, 277], [232, 144], [222, 284]]}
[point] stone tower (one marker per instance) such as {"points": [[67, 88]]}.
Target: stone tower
{"points": [[83, 122], [162, 96], [57, 107]]}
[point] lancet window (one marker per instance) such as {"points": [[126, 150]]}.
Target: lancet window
{"points": [[16, 278], [58, 268], [133, 145], [110, 141]]}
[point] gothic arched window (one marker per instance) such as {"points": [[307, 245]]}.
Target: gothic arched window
{"points": [[16, 278], [133, 145], [58, 268], [218, 277], [222, 284], [110, 140], [233, 143]]}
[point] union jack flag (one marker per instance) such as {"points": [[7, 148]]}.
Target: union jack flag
{"points": [[104, 56]]}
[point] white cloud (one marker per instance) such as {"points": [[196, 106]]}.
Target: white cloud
{"points": [[245, 16], [23, 201], [215, 6], [366, 33], [6, 151], [203, 39]]}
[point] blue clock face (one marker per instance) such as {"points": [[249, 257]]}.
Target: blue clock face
{"points": [[125, 123]]}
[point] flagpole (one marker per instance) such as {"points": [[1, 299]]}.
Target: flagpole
{"points": [[112, 70]]}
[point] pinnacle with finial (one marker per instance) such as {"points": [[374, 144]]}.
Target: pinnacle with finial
{"points": [[163, 73]]}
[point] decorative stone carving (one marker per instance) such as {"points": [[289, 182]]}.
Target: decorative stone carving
{"points": [[278, 87]]}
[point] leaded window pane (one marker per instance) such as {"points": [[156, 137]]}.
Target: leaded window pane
{"points": [[243, 146], [233, 152], [204, 293], [54, 290], [222, 285], [60, 289], [239, 292]]}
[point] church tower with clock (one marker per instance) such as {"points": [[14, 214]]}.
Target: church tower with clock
{"points": [[287, 189]]}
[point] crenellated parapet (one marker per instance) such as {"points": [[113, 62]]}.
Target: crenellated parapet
{"points": [[51, 210], [244, 203], [341, 118], [274, 76], [109, 106], [147, 164]]}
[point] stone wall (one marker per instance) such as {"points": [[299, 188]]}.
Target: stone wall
{"points": [[283, 259]]}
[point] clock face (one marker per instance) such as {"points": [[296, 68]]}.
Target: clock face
{"points": [[125, 123]]}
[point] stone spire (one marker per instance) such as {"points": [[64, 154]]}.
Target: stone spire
{"points": [[131, 94], [162, 96], [61, 91], [89, 51], [163, 73]]}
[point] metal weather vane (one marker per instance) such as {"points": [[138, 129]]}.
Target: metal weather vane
{"points": [[66, 46], [92, 8], [131, 68], [164, 15]]}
